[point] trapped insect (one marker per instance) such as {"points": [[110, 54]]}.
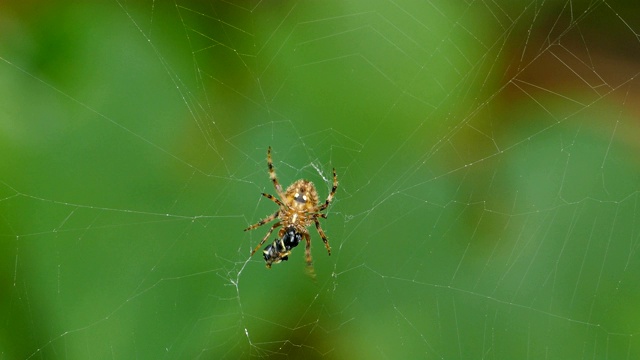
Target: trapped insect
{"points": [[298, 209], [280, 249]]}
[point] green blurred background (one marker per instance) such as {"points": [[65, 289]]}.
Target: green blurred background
{"points": [[486, 153]]}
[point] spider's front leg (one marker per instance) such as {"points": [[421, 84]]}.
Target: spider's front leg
{"points": [[272, 173], [331, 194]]}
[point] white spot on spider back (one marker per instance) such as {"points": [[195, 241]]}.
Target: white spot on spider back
{"points": [[300, 198]]}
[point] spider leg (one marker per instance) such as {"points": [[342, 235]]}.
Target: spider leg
{"points": [[266, 237], [307, 250], [332, 193], [263, 221], [273, 198], [272, 174], [322, 235]]}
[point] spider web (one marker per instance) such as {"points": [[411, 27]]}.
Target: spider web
{"points": [[486, 153]]}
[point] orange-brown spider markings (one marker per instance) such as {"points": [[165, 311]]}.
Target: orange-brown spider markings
{"points": [[299, 208]]}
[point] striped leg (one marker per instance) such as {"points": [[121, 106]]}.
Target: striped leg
{"points": [[332, 193], [273, 198], [322, 235], [307, 255], [263, 221], [272, 174], [266, 237]]}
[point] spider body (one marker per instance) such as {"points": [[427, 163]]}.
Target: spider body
{"points": [[280, 249], [301, 201], [298, 209]]}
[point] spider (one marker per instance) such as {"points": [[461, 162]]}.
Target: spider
{"points": [[298, 209], [280, 249]]}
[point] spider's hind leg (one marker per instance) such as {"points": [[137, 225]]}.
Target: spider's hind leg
{"points": [[307, 255], [266, 237], [322, 235]]}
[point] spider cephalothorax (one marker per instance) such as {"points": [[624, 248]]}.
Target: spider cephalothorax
{"points": [[298, 209]]}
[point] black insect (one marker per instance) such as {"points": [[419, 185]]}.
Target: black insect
{"points": [[280, 249]]}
